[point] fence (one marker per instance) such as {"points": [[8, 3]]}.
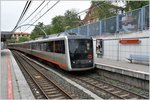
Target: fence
{"points": [[136, 20]]}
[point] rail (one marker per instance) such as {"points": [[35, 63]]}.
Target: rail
{"points": [[112, 91], [46, 86]]}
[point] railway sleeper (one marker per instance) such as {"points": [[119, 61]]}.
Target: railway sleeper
{"points": [[124, 95], [115, 92], [46, 88], [99, 85], [50, 90], [43, 81], [55, 96], [103, 87], [47, 85], [86, 79], [62, 97], [94, 83], [44, 84], [109, 89]]}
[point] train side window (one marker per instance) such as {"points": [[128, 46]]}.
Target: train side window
{"points": [[33, 46], [59, 46], [42, 46], [50, 46], [30, 46], [38, 46]]}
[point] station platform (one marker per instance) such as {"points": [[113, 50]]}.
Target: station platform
{"points": [[12, 82], [123, 67]]}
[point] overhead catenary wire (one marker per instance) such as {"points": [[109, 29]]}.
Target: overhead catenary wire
{"points": [[39, 12], [43, 14], [28, 3], [98, 4], [21, 14], [33, 12]]}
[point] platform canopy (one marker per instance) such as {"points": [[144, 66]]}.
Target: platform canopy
{"points": [[5, 35]]}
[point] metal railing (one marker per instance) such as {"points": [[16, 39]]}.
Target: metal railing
{"points": [[133, 21]]}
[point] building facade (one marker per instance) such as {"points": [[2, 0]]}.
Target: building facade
{"points": [[16, 35]]}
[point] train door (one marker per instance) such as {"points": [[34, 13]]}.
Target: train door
{"points": [[99, 48]]}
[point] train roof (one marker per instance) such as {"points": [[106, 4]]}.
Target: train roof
{"points": [[57, 37]]}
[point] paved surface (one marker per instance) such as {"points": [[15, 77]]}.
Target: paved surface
{"points": [[123, 67], [12, 82]]}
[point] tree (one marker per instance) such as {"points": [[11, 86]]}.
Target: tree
{"points": [[58, 24], [68, 21], [37, 32], [48, 29], [104, 9], [131, 5], [71, 19], [12, 40], [23, 39]]}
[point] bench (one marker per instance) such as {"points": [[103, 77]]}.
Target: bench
{"points": [[134, 57]]}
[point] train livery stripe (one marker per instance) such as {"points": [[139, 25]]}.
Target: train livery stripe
{"points": [[9, 80], [49, 60]]}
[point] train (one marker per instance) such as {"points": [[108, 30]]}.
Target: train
{"points": [[69, 51]]}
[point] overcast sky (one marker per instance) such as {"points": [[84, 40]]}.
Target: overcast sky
{"points": [[11, 11]]}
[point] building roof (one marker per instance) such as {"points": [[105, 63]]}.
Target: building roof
{"points": [[23, 33]]}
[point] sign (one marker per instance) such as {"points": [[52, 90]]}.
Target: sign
{"points": [[133, 41]]}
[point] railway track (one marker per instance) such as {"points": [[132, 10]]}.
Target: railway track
{"points": [[112, 91], [44, 87]]}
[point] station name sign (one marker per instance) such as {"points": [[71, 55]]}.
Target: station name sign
{"points": [[130, 41]]}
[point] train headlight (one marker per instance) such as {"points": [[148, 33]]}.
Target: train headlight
{"points": [[89, 56], [90, 61]]}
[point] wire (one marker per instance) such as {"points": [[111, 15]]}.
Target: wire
{"points": [[33, 11], [43, 14], [89, 8], [101, 3], [46, 11], [39, 12], [23, 13]]}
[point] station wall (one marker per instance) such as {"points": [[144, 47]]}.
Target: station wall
{"points": [[112, 49]]}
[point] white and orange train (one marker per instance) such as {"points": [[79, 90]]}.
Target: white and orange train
{"points": [[70, 52]]}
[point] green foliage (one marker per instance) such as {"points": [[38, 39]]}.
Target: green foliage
{"points": [[48, 29], [104, 9], [68, 21], [37, 32], [23, 39], [12, 40], [58, 24], [131, 5], [71, 19]]}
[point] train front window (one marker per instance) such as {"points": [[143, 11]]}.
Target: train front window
{"points": [[81, 53], [79, 48]]}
